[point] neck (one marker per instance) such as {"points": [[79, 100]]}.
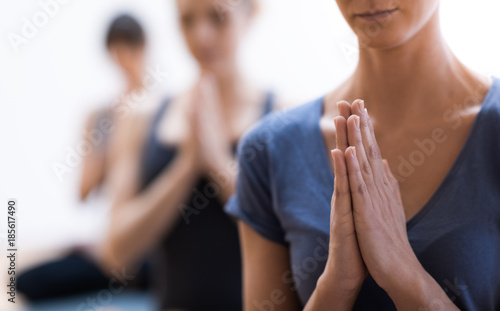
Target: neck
{"points": [[419, 77], [230, 84], [134, 83]]}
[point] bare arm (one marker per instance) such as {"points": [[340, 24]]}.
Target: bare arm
{"points": [[265, 269], [139, 220], [266, 279], [93, 164], [223, 174]]}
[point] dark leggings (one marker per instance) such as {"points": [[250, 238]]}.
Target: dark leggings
{"points": [[71, 275]]}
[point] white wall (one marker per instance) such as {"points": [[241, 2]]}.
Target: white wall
{"points": [[50, 84]]}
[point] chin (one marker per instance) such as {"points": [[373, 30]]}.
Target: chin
{"points": [[216, 67], [389, 37], [209, 66]]}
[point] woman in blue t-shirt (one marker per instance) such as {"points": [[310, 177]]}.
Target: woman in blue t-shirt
{"points": [[419, 231]]}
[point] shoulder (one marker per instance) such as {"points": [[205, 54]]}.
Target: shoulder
{"points": [[493, 97], [132, 128], [491, 107], [280, 127], [94, 116], [282, 103]]}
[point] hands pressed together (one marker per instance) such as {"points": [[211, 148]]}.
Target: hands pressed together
{"points": [[208, 144], [368, 224]]}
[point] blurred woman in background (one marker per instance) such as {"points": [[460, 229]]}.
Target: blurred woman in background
{"points": [[106, 131], [126, 44], [178, 173]]}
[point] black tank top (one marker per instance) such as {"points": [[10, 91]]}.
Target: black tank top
{"points": [[197, 266]]}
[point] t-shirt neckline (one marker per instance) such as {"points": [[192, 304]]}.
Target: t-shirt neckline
{"points": [[462, 155]]}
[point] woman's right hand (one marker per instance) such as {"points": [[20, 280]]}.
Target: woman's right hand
{"points": [[345, 269]]}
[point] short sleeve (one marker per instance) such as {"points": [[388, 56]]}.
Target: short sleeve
{"points": [[252, 203]]}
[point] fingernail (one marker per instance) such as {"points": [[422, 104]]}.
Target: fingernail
{"points": [[333, 156], [356, 121], [362, 104], [366, 111], [354, 153]]}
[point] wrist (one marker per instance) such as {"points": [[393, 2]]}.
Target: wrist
{"points": [[331, 294], [409, 285], [338, 286], [189, 160], [221, 162], [415, 289], [402, 267]]}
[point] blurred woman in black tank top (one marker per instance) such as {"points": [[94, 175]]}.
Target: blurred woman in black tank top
{"points": [[177, 173]]}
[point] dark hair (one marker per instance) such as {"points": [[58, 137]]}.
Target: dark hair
{"points": [[125, 29]]}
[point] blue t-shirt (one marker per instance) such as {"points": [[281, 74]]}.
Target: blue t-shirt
{"points": [[285, 186]]}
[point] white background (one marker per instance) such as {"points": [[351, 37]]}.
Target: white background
{"points": [[48, 87]]}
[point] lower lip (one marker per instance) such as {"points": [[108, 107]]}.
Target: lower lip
{"points": [[377, 17]]}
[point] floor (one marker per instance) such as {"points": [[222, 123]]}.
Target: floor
{"points": [[98, 301], [127, 301]]}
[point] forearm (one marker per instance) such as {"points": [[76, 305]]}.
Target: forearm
{"points": [[92, 174], [136, 225], [329, 296], [224, 175]]}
